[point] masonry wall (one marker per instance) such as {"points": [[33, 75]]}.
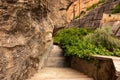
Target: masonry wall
{"points": [[99, 68]]}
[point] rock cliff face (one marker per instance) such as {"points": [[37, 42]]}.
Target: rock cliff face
{"points": [[26, 34], [21, 41], [79, 6], [58, 13], [93, 18]]}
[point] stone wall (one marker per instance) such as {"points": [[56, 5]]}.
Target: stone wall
{"points": [[94, 17], [100, 68]]}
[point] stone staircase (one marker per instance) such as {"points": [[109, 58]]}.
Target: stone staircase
{"points": [[59, 74], [57, 68], [57, 59]]}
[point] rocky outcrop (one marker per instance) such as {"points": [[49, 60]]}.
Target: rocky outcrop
{"points": [[93, 18], [58, 13], [78, 6], [112, 20], [21, 41], [26, 34]]}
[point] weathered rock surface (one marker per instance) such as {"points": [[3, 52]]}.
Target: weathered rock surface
{"points": [[78, 6], [113, 21], [93, 18], [26, 34], [21, 42], [115, 26]]}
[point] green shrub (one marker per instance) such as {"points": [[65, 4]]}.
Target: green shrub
{"points": [[95, 5], [103, 40], [82, 42], [91, 7], [101, 1], [71, 32], [71, 41], [102, 36], [81, 13], [116, 9]]}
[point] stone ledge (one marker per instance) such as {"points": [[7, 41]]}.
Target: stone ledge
{"points": [[116, 62], [102, 68]]}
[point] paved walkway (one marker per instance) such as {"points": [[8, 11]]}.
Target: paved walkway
{"points": [[59, 74], [57, 68]]}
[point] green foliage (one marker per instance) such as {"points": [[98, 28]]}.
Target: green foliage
{"points": [[81, 13], [95, 5], [101, 1], [71, 41], [83, 43], [91, 7], [102, 39], [71, 32], [102, 36], [116, 9]]}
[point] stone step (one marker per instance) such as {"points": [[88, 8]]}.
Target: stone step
{"points": [[65, 79], [57, 62], [71, 79], [56, 52], [59, 74], [47, 76]]}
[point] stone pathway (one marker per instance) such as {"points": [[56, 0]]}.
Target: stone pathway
{"points": [[57, 68], [59, 74]]}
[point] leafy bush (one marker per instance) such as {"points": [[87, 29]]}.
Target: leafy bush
{"points": [[71, 41], [77, 32], [83, 42], [102, 36], [116, 9]]}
